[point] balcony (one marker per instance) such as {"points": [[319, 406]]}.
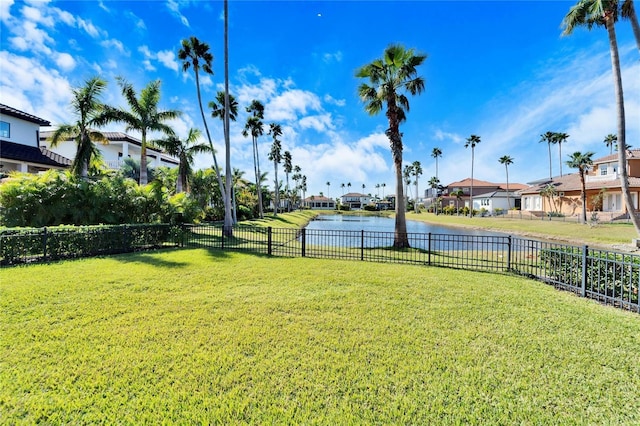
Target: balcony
{"points": [[602, 178]]}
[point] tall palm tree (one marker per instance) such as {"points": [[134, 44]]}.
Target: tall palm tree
{"points": [[255, 128], [195, 54], [472, 141], [582, 162], [417, 172], [287, 165], [507, 161], [229, 216], [548, 138], [396, 72], [342, 186], [610, 140], [383, 186], [89, 112], [436, 153], [628, 11], [218, 109], [328, 185], [605, 13], [560, 138], [275, 130], [143, 116], [184, 150]]}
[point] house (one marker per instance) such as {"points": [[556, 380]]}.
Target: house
{"points": [[120, 146], [487, 195], [562, 194], [355, 200], [19, 144], [319, 202]]}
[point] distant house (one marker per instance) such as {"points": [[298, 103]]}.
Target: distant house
{"points": [[319, 202], [355, 200], [487, 195], [120, 146], [19, 144], [602, 183]]}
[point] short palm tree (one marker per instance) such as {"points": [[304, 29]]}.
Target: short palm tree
{"points": [[275, 155], [433, 184], [143, 116], [560, 138], [406, 175], [472, 141], [89, 112], [255, 128], [507, 161], [416, 172], [458, 194], [604, 13], [610, 140], [389, 77], [185, 150], [582, 162], [548, 138]]}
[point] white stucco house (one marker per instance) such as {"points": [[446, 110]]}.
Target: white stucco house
{"points": [[19, 144]]}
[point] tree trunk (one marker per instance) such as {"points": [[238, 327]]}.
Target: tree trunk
{"points": [[143, 158], [622, 147], [277, 191], [508, 200], [471, 189], [228, 215], [584, 197], [631, 14], [256, 167], [550, 167]]}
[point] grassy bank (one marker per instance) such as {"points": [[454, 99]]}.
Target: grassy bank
{"points": [[193, 336]]}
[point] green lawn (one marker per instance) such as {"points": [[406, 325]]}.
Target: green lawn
{"points": [[196, 336]]}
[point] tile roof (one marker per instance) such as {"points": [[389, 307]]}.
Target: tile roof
{"points": [[483, 183], [632, 154], [31, 154], [571, 182], [7, 110]]}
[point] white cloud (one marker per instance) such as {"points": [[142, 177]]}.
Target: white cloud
{"points": [[65, 61], [5, 8], [174, 7], [115, 44], [35, 15], [138, 22], [290, 104], [168, 59], [332, 57], [89, 28], [319, 123], [331, 100]]}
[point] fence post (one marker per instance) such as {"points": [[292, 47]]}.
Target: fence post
{"points": [[269, 239], [585, 253], [304, 241], [429, 250], [44, 244], [222, 237], [509, 253], [362, 244]]}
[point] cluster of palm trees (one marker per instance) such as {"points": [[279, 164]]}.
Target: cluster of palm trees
{"points": [[554, 138]]}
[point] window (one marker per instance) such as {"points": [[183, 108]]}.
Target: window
{"points": [[603, 170], [484, 202], [5, 129]]}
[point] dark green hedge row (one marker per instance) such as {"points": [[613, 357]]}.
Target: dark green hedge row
{"points": [[24, 245], [608, 274]]}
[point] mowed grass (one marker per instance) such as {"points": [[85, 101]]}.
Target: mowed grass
{"points": [[197, 336]]}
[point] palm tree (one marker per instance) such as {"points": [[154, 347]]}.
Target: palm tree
{"points": [[383, 186], [254, 127], [406, 175], [195, 54], [610, 140], [416, 171], [184, 150], [605, 13], [507, 161], [560, 138], [388, 76], [472, 141], [288, 167], [218, 110], [548, 137], [349, 186], [458, 194], [229, 216], [433, 184], [342, 186], [328, 185], [628, 11], [143, 116], [582, 162], [89, 112], [276, 156], [436, 153]]}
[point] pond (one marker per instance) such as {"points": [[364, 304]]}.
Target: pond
{"points": [[379, 232]]}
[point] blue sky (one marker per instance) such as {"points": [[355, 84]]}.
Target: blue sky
{"points": [[498, 69]]}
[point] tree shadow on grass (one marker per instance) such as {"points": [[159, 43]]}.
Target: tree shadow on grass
{"points": [[153, 258]]}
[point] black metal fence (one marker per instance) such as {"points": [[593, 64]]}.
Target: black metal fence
{"points": [[607, 276]]}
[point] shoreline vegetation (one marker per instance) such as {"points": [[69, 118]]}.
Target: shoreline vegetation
{"points": [[609, 236]]}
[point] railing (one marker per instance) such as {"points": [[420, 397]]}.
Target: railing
{"points": [[609, 277]]}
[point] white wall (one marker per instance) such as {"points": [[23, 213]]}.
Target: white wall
{"points": [[22, 132]]}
